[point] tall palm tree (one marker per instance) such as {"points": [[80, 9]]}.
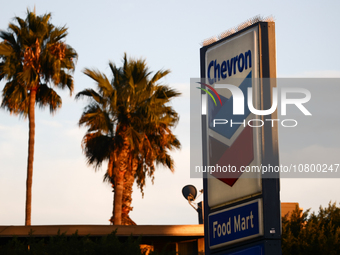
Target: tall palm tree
{"points": [[34, 58], [129, 124]]}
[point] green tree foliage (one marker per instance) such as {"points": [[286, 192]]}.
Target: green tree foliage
{"points": [[129, 124], [306, 233], [61, 244], [34, 59]]}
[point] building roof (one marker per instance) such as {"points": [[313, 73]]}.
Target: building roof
{"points": [[99, 230]]}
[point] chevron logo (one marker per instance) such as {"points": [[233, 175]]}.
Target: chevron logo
{"points": [[231, 145], [212, 89]]}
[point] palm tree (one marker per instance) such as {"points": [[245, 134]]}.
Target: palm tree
{"points": [[33, 59], [129, 125]]}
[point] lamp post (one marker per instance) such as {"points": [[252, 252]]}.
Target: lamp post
{"points": [[190, 193]]}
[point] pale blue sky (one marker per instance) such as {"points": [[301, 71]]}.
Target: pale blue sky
{"points": [[168, 34]]}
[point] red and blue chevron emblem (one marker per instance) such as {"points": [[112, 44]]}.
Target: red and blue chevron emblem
{"points": [[230, 145]]}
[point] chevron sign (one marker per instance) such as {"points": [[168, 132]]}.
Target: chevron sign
{"points": [[239, 123]]}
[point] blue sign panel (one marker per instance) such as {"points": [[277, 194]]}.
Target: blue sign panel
{"points": [[256, 250], [235, 224]]}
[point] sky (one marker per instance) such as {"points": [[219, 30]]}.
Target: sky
{"points": [[168, 34]]}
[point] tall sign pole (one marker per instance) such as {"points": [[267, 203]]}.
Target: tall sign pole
{"points": [[241, 208]]}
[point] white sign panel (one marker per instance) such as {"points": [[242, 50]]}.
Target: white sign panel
{"points": [[233, 144]]}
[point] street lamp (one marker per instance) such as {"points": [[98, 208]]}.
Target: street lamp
{"points": [[190, 193]]}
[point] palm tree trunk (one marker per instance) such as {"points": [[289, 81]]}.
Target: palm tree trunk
{"points": [[118, 196], [129, 178], [127, 194], [120, 170], [30, 158], [126, 200]]}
